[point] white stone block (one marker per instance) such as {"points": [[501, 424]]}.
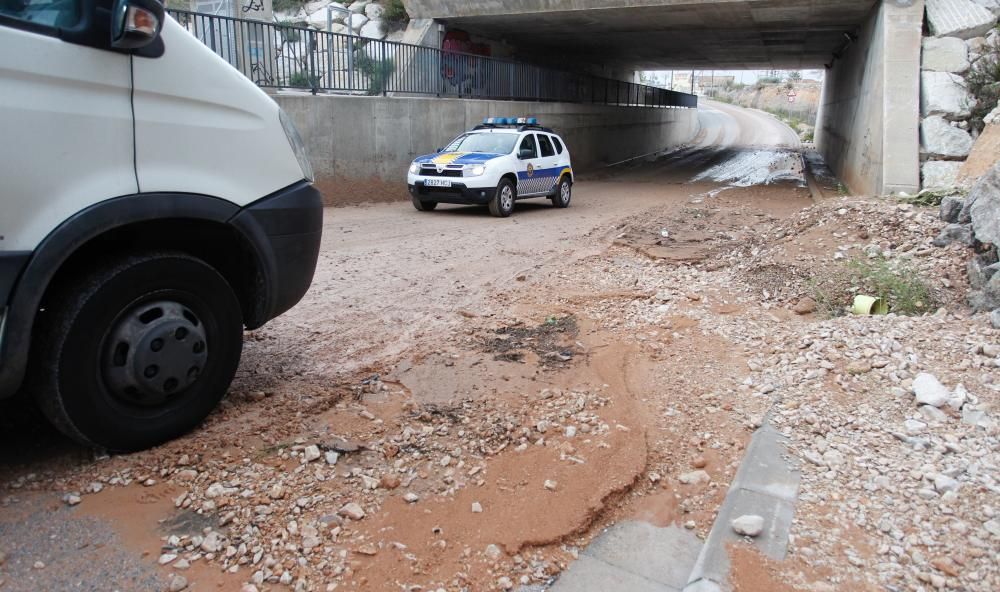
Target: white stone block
{"points": [[945, 54], [946, 94], [959, 18]]}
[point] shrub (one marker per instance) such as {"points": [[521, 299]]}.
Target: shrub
{"points": [[891, 280], [378, 71], [288, 5], [302, 79], [395, 16], [288, 33]]}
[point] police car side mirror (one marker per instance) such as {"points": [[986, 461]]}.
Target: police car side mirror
{"points": [[135, 23], [440, 150], [525, 154]]}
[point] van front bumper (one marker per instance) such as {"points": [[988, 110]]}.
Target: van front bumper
{"points": [[285, 229]]}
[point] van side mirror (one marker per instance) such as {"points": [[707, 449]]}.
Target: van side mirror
{"points": [[135, 23], [526, 153]]}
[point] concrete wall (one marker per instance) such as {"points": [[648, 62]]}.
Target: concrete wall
{"points": [[868, 124], [361, 147]]}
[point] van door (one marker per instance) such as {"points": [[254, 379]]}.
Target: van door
{"points": [[549, 162], [66, 119]]}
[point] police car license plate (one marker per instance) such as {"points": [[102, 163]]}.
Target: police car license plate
{"points": [[437, 183]]}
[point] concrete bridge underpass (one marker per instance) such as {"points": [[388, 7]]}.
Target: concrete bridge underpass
{"points": [[868, 128]]}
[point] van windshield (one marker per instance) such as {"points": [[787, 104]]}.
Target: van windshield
{"points": [[491, 143]]}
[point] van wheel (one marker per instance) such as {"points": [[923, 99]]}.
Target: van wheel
{"points": [[136, 351], [502, 204], [424, 206], [564, 193]]}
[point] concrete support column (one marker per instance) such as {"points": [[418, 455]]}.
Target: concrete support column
{"points": [[869, 118]]}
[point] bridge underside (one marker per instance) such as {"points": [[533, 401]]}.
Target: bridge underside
{"points": [[663, 34]]}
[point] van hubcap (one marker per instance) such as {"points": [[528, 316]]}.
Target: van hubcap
{"points": [[154, 351], [506, 198], [564, 193]]}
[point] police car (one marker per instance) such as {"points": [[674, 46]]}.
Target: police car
{"points": [[495, 164]]}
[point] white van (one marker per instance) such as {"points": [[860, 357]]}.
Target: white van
{"points": [[153, 203]]}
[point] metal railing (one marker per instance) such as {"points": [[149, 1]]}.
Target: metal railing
{"points": [[278, 55]]}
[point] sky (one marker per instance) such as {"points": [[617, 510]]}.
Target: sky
{"points": [[744, 76]]}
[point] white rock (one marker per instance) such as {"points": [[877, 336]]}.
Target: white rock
{"points": [[570, 431], [946, 94], [311, 453], [944, 483], [356, 21], [358, 7], [990, 5], [929, 391], [352, 511], [985, 206], [913, 426], [494, 552], [374, 11], [945, 54], [550, 485], [958, 398], [166, 558], [373, 30], [694, 477], [71, 499], [477, 508], [749, 525], [959, 18], [939, 174], [212, 543], [505, 583], [178, 583], [943, 140], [411, 498], [331, 457]]}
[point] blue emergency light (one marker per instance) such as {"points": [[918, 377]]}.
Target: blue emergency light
{"points": [[510, 121]]}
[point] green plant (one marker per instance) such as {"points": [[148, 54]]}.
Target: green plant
{"points": [[302, 79], [930, 197], [395, 16], [378, 72], [288, 5], [891, 280], [984, 83], [288, 33]]}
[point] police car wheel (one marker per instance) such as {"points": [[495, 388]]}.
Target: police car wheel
{"points": [[502, 204], [424, 206], [564, 193]]}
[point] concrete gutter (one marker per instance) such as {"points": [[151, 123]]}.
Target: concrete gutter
{"points": [[767, 485]]}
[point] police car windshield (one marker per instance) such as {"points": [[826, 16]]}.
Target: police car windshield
{"points": [[489, 143]]}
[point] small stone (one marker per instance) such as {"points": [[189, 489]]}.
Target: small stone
{"points": [[804, 306], [445, 460], [913, 426], [493, 552], [749, 525], [505, 583], [166, 558], [368, 549], [277, 491], [655, 478], [946, 566], [411, 498], [694, 477], [71, 499], [182, 564], [700, 462], [249, 588], [550, 485], [542, 426], [944, 483], [311, 453], [389, 482], [352, 511], [331, 457], [477, 508], [212, 543], [992, 527], [38, 565], [178, 583], [3, 557], [570, 431]]}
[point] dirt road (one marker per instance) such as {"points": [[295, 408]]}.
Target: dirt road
{"points": [[462, 402]]}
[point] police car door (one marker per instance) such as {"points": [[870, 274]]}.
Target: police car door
{"points": [[549, 162], [528, 182]]}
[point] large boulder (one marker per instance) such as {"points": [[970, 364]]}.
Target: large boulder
{"points": [[939, 174], [945, 54], [945, 94], [951, 207], [959, 18], [943, 140], [990, 5], [984, 207], [373, 29], [358, 7], [356, 21], [374, 12]]}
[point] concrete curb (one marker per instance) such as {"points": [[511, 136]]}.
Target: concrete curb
{"points": [[766, 485]]}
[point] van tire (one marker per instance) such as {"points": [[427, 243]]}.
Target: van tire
{"points": [[136, 351], [424, 206], [502, 204]]}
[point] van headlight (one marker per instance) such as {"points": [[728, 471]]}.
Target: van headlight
{"points": [[414, 168], [475, 170], [298, 146]]}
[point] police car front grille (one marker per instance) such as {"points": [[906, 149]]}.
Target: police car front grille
{"points": [[433, 172]]}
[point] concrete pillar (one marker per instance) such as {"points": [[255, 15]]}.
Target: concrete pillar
{"points": [[868, 128]]}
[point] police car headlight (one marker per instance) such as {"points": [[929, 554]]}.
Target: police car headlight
{"points": [[298, 146], [475, 171], [414, 168]]}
